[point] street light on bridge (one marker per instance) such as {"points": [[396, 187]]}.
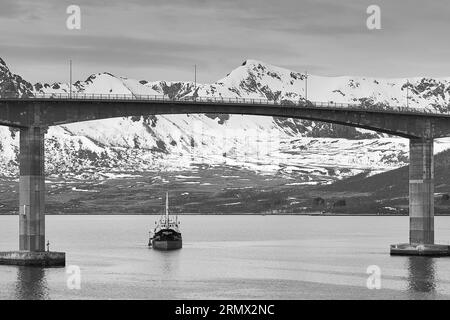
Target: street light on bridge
{"points": [[306, 86], [407, 93], [70, 79], [195, 80]]}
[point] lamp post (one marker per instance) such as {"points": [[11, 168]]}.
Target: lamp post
{"points": [[195, 81], [407, 94], [306, 86], [70, 80]]}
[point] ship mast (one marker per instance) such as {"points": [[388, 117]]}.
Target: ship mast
{"points": [[167, 208]]}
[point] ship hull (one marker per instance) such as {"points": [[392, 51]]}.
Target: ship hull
{"points": [[167, 244], [167, 239]]}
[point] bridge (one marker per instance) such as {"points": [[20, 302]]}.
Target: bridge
{"points": [[34, 114]]}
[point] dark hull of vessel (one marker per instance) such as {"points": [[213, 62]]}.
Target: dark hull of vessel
{"points": [[167, 245], [166, 239]]}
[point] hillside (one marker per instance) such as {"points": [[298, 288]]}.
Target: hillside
{"points": [[290, 155], [386, 192]]}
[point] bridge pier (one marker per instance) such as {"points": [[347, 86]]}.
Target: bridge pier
{"points": [[32, 190], [421, 203], [32, 204], [421, 191]]}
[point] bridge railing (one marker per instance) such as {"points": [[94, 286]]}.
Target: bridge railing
{"points": [[230, 100]]}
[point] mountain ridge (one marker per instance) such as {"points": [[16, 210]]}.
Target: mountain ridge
{"points": [[214, 162], [152, 142]]}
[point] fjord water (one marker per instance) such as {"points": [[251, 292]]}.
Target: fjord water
{"points": [[229, 257]]}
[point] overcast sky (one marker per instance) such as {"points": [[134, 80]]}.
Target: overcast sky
{"points": [[163, 39]]}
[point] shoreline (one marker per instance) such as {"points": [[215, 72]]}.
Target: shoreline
{"points": [[230, 214]]}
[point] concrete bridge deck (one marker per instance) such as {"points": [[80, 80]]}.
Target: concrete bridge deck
{"points": [[55, 109], [33, 115]]}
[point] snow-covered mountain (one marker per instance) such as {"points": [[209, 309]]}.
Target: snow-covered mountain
{"points": [[257, 79], [12, 85], [312, 151]]}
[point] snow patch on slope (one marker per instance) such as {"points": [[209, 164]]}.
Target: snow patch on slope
{"points": [[313, 150]]}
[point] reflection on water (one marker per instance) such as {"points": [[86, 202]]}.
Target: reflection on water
{"points": [[421, 274], [229, 257], [31, 283], [169, 261]]}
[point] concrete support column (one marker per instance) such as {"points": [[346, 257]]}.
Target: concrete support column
{"points": [[32, 189], [421, 191]]}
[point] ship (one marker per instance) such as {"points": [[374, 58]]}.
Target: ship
{"points": [[166, 235]]}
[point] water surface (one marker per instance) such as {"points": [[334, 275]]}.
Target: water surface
{"points": [[229, 257]]}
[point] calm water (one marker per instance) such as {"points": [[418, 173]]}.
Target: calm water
{"points": [[229, 257]]}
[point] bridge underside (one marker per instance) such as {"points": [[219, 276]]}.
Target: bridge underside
{"points": [[34, 118], [50, 112]]}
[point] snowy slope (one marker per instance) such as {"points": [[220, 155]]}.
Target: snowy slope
{"points": [[310, 151], [12, 85], [257, 79]]}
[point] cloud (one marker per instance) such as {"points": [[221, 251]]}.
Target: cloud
{"points": [[11, 9], [114, 49], [327, 35]]}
